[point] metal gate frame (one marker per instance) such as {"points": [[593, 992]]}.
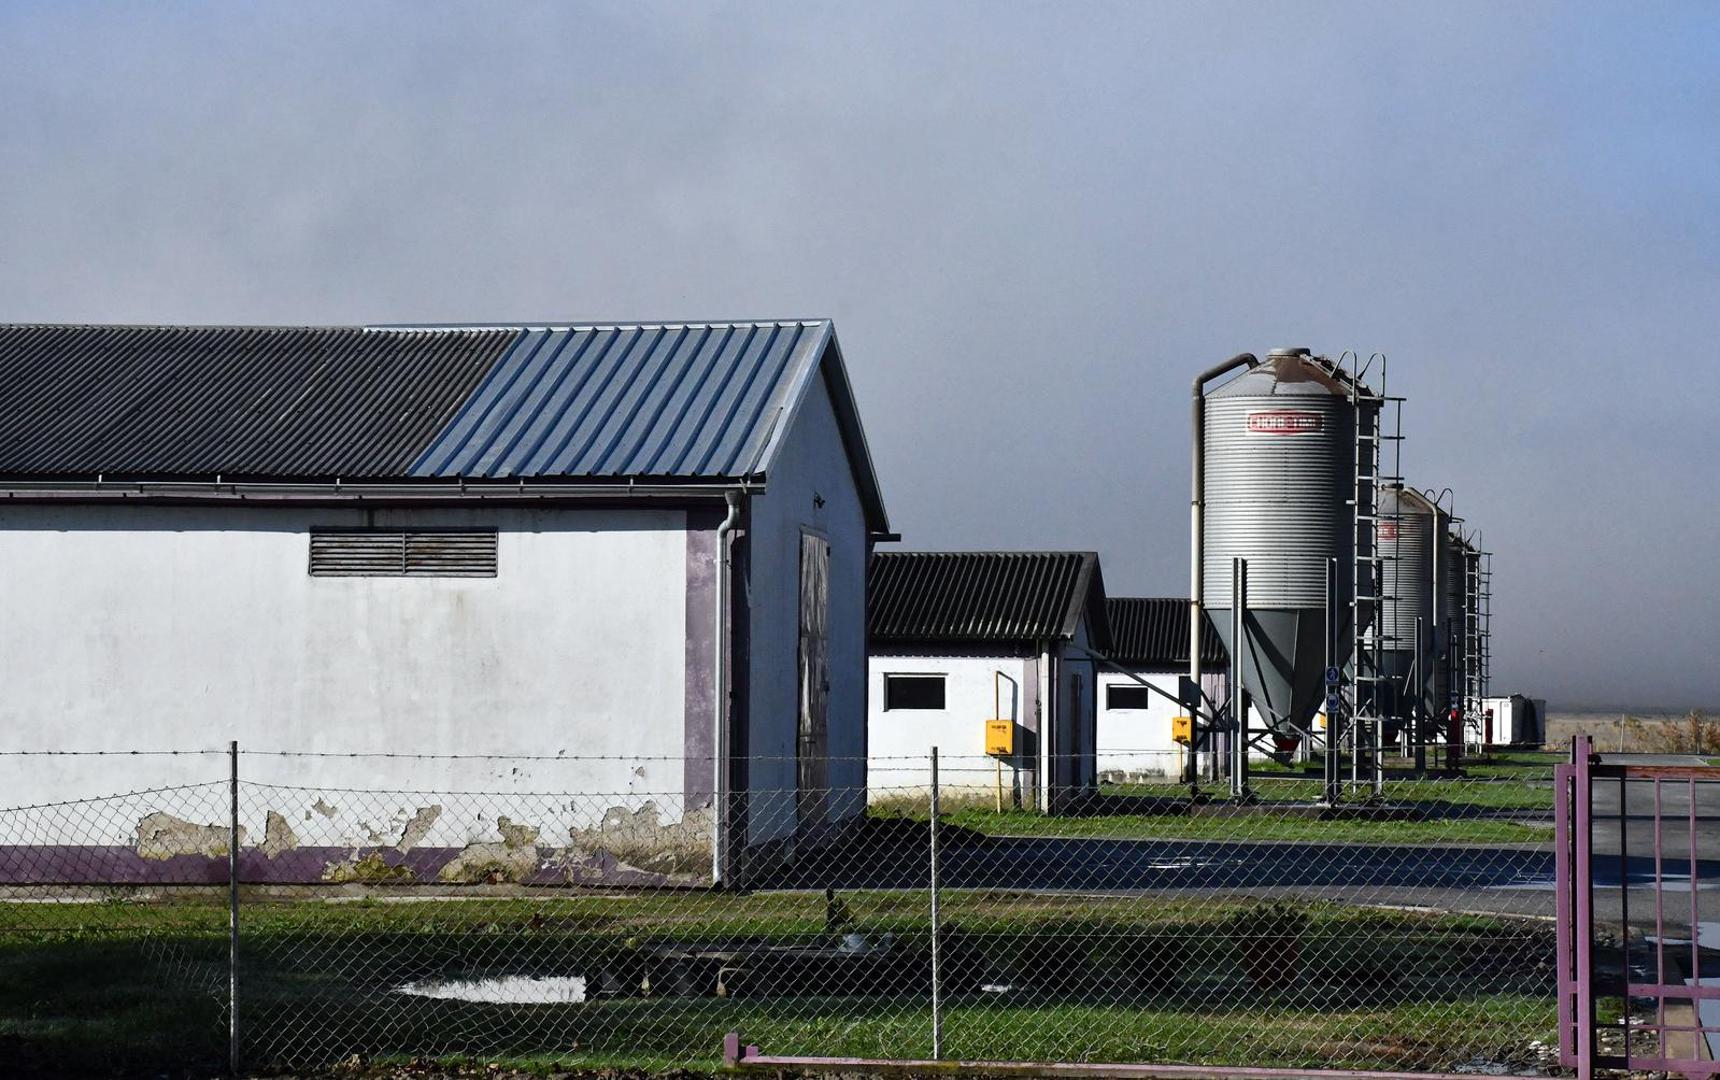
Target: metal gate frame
{"points": [[1575, 882]]}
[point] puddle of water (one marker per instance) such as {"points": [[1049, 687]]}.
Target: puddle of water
{"points": [[504, 990]]}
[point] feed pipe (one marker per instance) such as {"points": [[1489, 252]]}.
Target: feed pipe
{"points": [[1197, 505]]}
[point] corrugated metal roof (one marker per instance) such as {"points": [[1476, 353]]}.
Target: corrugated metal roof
{"points": [[706, 401], [1152, 631], [194, 401], [979, 596], [646, 401]]}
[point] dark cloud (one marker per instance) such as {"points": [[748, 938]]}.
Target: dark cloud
{"points": [[1031, 222]]}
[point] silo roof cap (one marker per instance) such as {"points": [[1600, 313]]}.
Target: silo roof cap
{"points": [[1396, 499], [1284, 373]]}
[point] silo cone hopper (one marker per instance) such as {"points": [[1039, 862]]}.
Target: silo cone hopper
{"points": [[1283, 661]]}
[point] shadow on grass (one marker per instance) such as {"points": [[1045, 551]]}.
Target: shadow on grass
{"points": [[1026, 979]]}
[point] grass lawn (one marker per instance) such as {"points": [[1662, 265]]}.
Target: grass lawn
{"points": [[1257, 827], [98, 989], [1435, 811]]}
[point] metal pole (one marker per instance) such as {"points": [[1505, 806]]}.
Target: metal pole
{"points": [[1417, 712], [233, 908], [1238, 706], [1334, 715], [937, 973]]}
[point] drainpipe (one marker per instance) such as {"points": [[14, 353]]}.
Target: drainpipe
{"points": [[1197, 506], [720, 742]]}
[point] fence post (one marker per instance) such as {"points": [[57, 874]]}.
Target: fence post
{"points": [[233, 908], [937, 982]]}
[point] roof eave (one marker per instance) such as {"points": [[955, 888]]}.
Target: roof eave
{"points": [[221, 489], [824, 359]]}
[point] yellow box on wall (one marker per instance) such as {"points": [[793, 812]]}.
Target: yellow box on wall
{"points": [[1182, 729], [1000, 737]]}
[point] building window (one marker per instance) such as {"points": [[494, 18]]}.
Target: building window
{"points": [[1128, 696], [913, 692], [403, 552]]}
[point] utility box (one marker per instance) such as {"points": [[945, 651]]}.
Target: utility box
{"points": [[1000, 738], [1182, 729]]}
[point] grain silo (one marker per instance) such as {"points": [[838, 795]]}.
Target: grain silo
{"points": [[1275, 479], [1409, 526]]}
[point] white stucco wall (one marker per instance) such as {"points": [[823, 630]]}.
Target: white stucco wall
{"points": [[901, 739], [811, 488], [135, 627], [1137, 742]]}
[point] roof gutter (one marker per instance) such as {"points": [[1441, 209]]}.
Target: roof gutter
{"points": [[264, 492]]}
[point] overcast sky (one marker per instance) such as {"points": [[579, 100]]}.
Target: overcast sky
{"points": [[1032, 224]]}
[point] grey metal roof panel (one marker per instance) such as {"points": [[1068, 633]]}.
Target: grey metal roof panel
{"points": [[1152, 631], [697, 401], [631, 401], [184, 401], [976, 596]]}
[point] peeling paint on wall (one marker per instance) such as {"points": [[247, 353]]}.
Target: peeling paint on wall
{"points": [[512, 859], [416, 829], [162, 836], [639, 840], [278, 836], [370, 868]]}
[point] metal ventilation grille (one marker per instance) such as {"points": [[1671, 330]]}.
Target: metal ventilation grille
{"points": [[403, 553]]}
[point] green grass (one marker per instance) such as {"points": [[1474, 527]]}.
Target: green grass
{"points": [[1252, 828], [1457, 797], [100, 988], [1504, 799], [1460, 811]]}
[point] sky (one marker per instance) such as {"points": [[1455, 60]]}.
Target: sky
{"points": [[1032, 224]]}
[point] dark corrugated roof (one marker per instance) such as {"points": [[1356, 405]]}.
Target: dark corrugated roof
{"points": [[980, 596], [194, 401], [631, 401], [1152, 631], [661, 401]]}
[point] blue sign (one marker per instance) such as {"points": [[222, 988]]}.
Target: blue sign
{"points": [[1332, 704], [1333, 676]]}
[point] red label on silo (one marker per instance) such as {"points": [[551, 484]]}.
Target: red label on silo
{"points": [[1285, 422]]}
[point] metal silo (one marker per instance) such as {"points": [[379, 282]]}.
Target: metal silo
{"points": [[1278, 453], [1408, 528]]}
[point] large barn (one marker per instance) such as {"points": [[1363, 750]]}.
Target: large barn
{"points": [[633, 554]]}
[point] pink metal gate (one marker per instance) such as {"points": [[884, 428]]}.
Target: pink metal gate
{"points": [[1641, 1000]]}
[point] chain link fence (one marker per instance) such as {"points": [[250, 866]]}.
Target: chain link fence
{"points": [[544, 911]]}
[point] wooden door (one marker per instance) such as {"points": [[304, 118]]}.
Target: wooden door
{"points": [[812, 743]]}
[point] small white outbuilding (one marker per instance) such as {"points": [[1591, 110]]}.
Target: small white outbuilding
{"points": [[1150, 639], [959, 638]]}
